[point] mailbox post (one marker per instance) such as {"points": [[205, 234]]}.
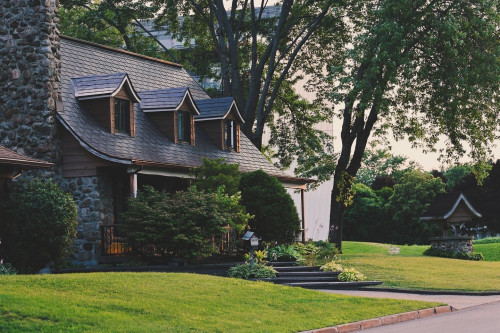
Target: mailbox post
{"points": [[254, 244]]}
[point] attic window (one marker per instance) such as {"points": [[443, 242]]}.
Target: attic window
{"points": [[184, 126], [122, 116]]}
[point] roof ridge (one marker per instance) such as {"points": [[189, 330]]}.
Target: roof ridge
{"points": [[121, 51]]}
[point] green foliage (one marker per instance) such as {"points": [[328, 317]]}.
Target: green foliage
{"points": [[379, 162], [410, 200], [245, 271], [39, 226], [491, 240], [283, 253], [182, 224], [331, 266], [275, 216], [453, 255], [7, 269], [455, 174], [351, 275], [214, 173]]}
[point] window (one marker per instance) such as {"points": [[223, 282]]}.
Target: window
{"points": [[184, 126], [230, 134], [122, 116]]}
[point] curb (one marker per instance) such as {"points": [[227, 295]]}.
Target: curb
{"points": [[385, 320], [434, 292]]}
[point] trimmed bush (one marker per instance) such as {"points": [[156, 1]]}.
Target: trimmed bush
{"points": [[245, 271], [433, 252], [351, 275], [275, 217], [39, 226]]}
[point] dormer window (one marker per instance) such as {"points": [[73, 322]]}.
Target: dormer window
{"points": [[122, 116], [110, 99], [221, 120], [230, 134], [173, 111]]}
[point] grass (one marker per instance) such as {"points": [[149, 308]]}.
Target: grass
{"points": [[160, 302], [412, 270]]}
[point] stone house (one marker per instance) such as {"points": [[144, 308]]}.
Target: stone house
{"points": [[108, 120]]}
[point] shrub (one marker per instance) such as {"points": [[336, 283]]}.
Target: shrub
{"points": [[39, 226], [331, 266], [283, 253], [275, 217], [7, 269], [326, 251], [182, 224], [453, 255], [214, 173], [245, 271], [351, 275]]}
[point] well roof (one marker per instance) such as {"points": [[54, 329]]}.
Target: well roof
{"points": [[444, 205]]}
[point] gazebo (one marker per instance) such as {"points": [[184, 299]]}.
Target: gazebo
{"points": [[452, 210]]}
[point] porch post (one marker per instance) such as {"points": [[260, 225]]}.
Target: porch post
{"points": [[133, 185], [303, 215]]}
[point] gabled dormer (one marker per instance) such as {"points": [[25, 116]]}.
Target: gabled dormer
{"points": [[221, 119], [173, 110], [110, 99]]}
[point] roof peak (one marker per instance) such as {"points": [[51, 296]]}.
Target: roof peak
{"points": [[120, 51]]}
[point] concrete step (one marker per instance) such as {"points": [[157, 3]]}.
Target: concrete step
{"points": [[307, 274], [296, 279], [280, 263], [333, 285], [297, 268]]}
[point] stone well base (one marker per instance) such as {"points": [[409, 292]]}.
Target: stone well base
{"points": [[453, 243]]}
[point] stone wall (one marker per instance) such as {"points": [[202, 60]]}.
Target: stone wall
{"points": [[93, 196], [453, 243], [30, 71]]}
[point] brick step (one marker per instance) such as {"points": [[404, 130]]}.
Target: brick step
{"points": [[333, 285]]}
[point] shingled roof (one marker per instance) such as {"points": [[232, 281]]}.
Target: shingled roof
{"points": [[9, 157], [166, 99], [98, 86], [444, 204], [217, 108], [150, 145]]}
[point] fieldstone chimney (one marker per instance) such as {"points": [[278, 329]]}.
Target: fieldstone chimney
{"points": [[30, 71]]}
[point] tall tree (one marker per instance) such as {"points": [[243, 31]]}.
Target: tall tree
{"points": [[421, 68]]}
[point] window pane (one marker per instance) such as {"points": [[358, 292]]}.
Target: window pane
{"points": [[183, 126], [122, 116]]}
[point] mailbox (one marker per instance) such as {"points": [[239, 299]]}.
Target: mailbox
{"points": [[254, 241]]}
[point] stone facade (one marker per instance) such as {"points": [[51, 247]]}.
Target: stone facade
{"points": [[93, 196], [30, 73], [453, 243]]}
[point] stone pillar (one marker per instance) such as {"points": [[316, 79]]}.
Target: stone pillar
{"points": [[30, 72]]}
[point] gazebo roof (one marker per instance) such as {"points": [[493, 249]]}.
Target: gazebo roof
{"points": [[445, 204]]}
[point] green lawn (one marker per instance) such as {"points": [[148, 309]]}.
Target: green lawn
{"points": [[161, 302], [410, 269]]}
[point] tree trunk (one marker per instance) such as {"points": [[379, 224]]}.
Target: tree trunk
{"points": [[336, 217]]}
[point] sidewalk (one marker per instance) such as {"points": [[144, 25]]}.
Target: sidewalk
{"points": [[456, 301]]}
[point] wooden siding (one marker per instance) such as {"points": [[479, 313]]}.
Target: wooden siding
{"points": [[100, 109], [77, 162], [461, 214], [167, 122], [214, 129]]}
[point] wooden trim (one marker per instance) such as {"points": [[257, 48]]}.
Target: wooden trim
{"points": [[222, 133], [191, 118], [176, 130], [238, 145], [132, 120], [112, 115]]}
